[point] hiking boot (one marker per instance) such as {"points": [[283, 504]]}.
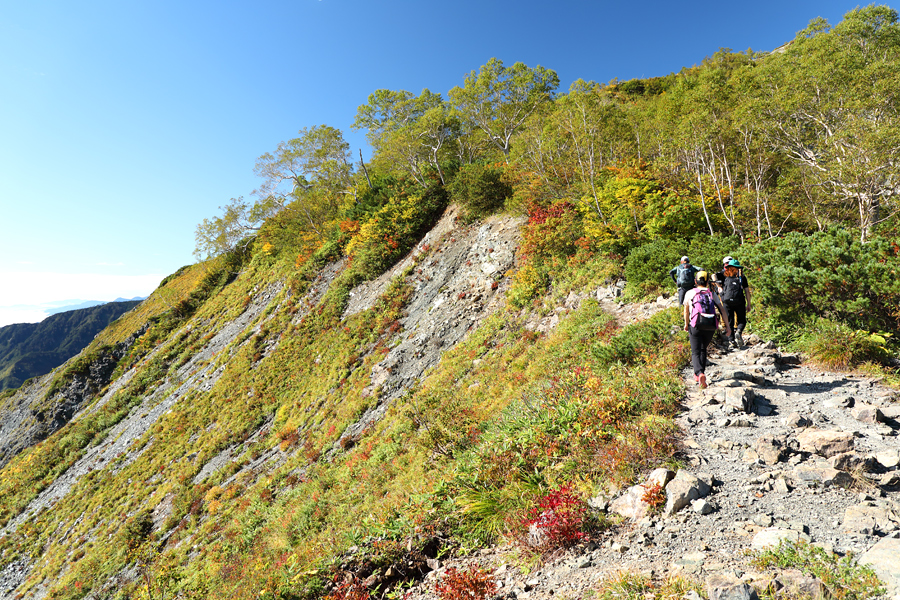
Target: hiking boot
{"points": [[738, 337], [701, 379]]}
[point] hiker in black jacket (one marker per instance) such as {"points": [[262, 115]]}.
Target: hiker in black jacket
{"points": [[683, 276], [736, 298]]}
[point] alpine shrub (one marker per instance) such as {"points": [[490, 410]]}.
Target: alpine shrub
{"points": [[837, 346], [349, 589], [472, 583], [843, 577], [558, 519], [828, 274], [480, 189]]}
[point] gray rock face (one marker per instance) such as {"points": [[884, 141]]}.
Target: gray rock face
{"points": [[729, 587], [29, 417], [457, 285], [884, 558]]}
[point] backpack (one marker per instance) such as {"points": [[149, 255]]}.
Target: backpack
{"points": [[703, 311], [734, 290], [685, 276]]}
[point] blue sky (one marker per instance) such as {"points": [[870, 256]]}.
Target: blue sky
{"points": [[125, 123]]}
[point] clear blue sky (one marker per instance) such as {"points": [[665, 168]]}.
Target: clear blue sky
{"points": [[125, 123]]}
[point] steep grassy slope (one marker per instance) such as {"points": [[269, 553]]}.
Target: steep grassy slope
{"points": [[31, 349], [245, 444]]}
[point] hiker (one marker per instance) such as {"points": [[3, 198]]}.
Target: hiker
{"points": [[736, 299], [700, 321], [719, 277], [683, 276]]}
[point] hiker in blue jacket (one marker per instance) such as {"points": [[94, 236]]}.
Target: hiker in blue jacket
{"points": [[683, 276]]}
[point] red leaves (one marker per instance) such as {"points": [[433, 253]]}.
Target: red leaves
{"points": [[472, 583], [560, 517]]}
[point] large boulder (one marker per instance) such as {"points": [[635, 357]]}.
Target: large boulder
{"points": [[631, 504], [681, 491], [771, 449], [825, 443], [884, 558], [824, 476], [728, 587], [772, 536]]}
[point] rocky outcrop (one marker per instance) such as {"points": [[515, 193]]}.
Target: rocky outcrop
{"points": [[459, 278]]}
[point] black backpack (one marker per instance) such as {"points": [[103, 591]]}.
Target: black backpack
{"points": [[734, 290], [685, 276]]}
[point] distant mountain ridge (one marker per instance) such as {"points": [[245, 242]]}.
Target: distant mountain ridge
{"points": [[87, 304], [31, 349]]}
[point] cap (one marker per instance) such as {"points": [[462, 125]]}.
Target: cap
{"points": [[685, 259], [727, 260], [735, 264], [702, 276]]}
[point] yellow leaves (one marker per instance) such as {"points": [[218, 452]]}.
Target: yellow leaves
{"points": [[395, 216], [267, 248], [213, 494], [593, 383]]}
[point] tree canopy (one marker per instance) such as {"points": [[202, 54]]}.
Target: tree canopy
{"points": [[746, 144]]}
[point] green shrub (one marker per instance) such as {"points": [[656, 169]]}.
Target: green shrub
{"points": [[844, 578], [137, 530], [828, 274], [392, 230], [647, 266], [480, 189], [837, 346]]}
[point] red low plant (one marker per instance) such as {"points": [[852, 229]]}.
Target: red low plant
{"points": [[560, 517], [472, 583], [654, 495], [350, 589]]}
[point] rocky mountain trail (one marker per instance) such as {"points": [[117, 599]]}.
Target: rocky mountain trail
{"points": [[773, 449]]}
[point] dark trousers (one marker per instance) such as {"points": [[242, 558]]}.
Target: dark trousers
{"points": [[736, 315], [681, 292], [700, 339]]}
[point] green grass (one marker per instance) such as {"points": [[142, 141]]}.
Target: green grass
{"points": [[845, 579]]}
